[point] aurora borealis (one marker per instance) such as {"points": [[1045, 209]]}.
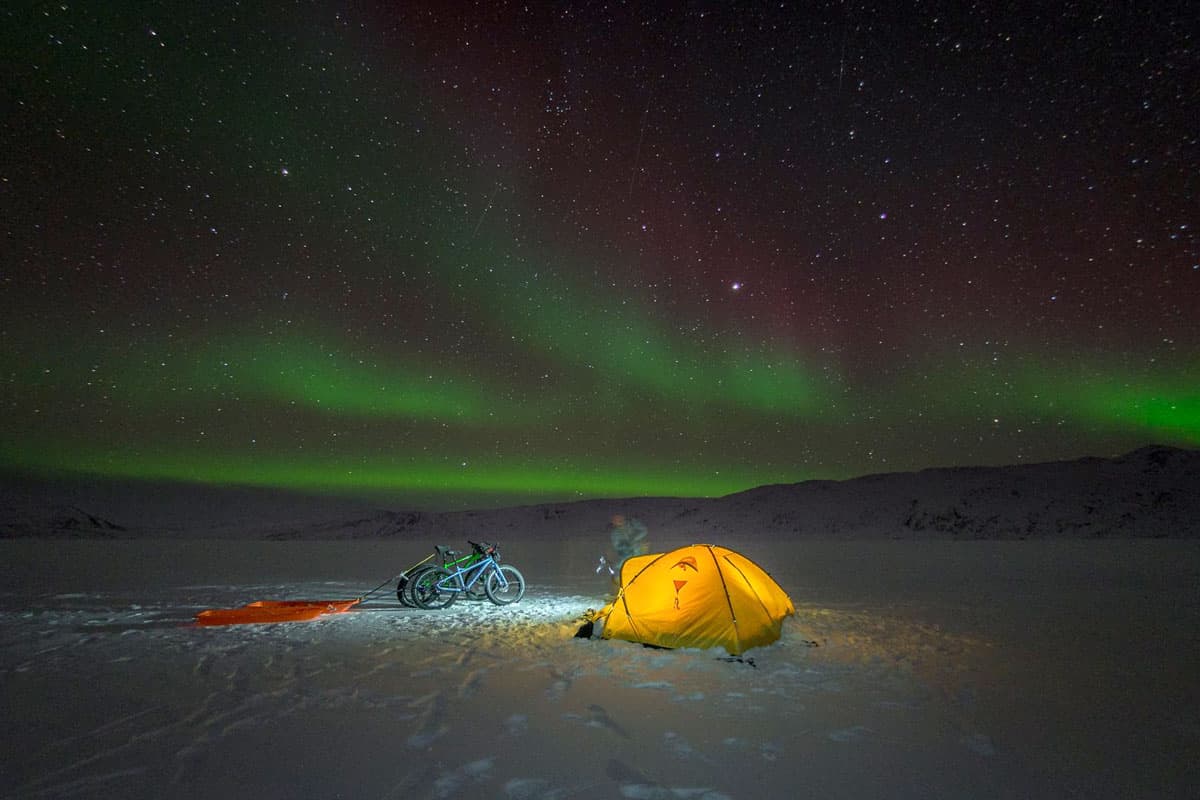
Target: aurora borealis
{"points": [[503, 253]]}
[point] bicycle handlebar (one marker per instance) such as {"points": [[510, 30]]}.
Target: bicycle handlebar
{"points": [[484, 548]]}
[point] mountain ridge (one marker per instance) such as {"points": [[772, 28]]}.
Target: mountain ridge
{"points": [[1151, 492]]}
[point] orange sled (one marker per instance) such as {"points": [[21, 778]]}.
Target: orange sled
{"points": [[262, 611]]}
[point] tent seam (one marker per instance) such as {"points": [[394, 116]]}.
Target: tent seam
{"points": [[737, 634], [749, 583]]}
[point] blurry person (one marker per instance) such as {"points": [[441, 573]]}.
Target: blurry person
{"points": [[628, 538]]}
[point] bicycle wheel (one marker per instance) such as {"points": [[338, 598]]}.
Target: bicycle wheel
{"points": [[425, 590], [408, 583], [500, 594]]}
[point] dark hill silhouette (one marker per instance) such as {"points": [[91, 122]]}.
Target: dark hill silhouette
{"points": [[1153, 492], [66, 522]]}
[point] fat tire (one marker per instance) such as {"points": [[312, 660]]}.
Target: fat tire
{"points": [[500, 594], [409, 599], [425, 592], [405, 588]]}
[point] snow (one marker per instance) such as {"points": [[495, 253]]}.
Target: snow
{"points": [[1053, 668]]}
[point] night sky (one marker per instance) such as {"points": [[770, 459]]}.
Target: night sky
{"points": [[514, 253]]}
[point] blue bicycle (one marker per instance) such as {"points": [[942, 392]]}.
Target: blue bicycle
{"points": [[440, 587]]}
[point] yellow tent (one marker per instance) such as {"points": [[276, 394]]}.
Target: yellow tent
{"points": [[700, 596]]}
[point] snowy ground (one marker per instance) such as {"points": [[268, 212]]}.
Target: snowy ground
{"points": [[913, 669]]}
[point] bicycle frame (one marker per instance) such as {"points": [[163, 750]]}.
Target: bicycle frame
{"points": [[465, 561], [459, 582]]}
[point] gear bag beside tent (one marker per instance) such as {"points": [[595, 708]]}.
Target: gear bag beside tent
{"points": [[698, 596]]}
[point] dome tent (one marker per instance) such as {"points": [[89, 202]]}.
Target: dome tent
{"points": [[698, 596]]}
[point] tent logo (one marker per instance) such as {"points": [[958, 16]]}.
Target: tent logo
{"points": [[678, 585], [684, 564]]}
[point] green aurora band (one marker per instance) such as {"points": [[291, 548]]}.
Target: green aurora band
{"points": [[378, 477], [340, 387], [1160, 401]]}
